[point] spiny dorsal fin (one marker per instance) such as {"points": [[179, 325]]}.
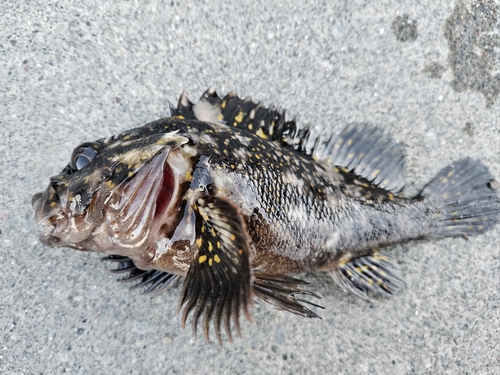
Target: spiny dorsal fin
{"points": [[265, 122], [184, 107], [361, 148]]}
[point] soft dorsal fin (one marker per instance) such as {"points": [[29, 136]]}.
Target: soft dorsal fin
{"points": [[361, 148], [368, 152]]}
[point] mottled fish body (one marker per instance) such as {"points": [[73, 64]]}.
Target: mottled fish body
{"points": [[233, 198]]}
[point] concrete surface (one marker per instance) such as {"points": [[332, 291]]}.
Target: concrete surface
{"points": [[428, 72]]}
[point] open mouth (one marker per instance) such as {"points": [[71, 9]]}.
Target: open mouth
{"points": [[166, 191], [132, 211]]}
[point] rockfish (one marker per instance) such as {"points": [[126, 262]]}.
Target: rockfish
{"points": [[229, 196]]}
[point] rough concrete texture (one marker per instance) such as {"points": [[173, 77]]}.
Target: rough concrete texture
{"points": [[78, 71]]}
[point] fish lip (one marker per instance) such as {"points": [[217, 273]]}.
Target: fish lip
{"points": [[44, 227]]}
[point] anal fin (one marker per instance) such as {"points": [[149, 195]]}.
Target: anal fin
{"points": [[282, 292], [376, 273]]}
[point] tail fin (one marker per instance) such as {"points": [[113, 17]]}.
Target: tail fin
{"points": [[468, 197]]}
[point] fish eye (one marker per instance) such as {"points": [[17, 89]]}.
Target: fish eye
{"points": [[82, 156]]}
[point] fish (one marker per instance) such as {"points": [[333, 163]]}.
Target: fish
{"points": [[233, 200]]}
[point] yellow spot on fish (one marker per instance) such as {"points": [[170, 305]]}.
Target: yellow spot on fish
{"points": [[450, 173], [210, 246], [233, 237], [250, 127], [199, 242], [239, 117], [110, 184], [375, 173], [349, 142], [202, 258], [261, 134], [351, 155], [218, 245], [210, 262], [223, 104], [220, 117], [216, 258]]}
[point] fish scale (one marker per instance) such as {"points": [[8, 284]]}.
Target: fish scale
{"points": [[234, 199]]}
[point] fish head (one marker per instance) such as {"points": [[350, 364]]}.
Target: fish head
{"points": [[114, 194]]}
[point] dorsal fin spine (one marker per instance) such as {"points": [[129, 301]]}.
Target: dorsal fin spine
{"points": [[361, 148]]}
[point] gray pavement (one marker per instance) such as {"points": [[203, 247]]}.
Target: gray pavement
{"points": [[427, 72]]}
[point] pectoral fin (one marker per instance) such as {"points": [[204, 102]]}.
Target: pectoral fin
{"points": [[376, 273], [218, 283]]}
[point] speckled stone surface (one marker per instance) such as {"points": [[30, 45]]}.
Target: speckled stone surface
{"points": [[72, 72]]}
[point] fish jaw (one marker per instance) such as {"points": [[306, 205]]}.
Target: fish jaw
{"points": [[119, 219]]}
